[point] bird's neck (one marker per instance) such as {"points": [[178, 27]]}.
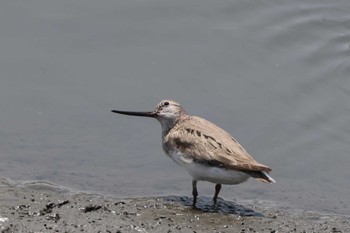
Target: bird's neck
{"points": [[167, 125]]}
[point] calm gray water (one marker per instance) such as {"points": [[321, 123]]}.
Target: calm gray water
{"points": [[275, 74]]}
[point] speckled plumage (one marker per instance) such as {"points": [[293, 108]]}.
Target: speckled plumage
{"points": [[205, 141], [205, 150]]}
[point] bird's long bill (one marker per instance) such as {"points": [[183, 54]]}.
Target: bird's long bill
{"points": [[144, 114]]}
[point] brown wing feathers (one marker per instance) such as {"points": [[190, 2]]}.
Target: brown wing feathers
{"points": [[203, 140]]}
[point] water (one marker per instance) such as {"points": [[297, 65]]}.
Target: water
{"points": [[273, 73]]}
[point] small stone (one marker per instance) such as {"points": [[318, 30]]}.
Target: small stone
{"points": [[90, 208]]}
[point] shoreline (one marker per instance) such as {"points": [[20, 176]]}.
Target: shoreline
{"points": [[24, 209]]}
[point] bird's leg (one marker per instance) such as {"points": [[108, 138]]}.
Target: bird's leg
{"points": [[194, 193], [217, 190]]}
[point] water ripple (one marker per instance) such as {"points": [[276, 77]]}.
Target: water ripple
{"points": [[317, 34]]}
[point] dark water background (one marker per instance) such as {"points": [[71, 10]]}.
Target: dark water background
{"points": [[275, 74]]}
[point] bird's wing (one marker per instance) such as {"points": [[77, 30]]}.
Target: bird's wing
{"points": [[205, 142]]}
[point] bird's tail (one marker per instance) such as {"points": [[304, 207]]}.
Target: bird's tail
{"points": [[267, 178], [261, 176]]}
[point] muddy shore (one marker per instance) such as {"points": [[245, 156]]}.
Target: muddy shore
{"points": [[44, 208]]}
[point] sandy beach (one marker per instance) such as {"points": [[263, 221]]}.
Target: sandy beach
{"points": [[40, 207]]}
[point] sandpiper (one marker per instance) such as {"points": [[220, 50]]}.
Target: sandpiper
{"points": [[205, 150]]}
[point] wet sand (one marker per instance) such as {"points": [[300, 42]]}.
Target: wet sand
{"points": [[39, 207]]}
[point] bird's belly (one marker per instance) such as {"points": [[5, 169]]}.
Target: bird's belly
{"points": [[216, 174], [208, 173]]}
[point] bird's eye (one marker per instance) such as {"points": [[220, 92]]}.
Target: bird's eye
{"points": [[166, 103]]}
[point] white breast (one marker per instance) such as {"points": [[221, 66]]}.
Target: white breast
{"points": [[208, 173]]}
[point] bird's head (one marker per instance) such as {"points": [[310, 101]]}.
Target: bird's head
{"points": [[167, 112]]}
